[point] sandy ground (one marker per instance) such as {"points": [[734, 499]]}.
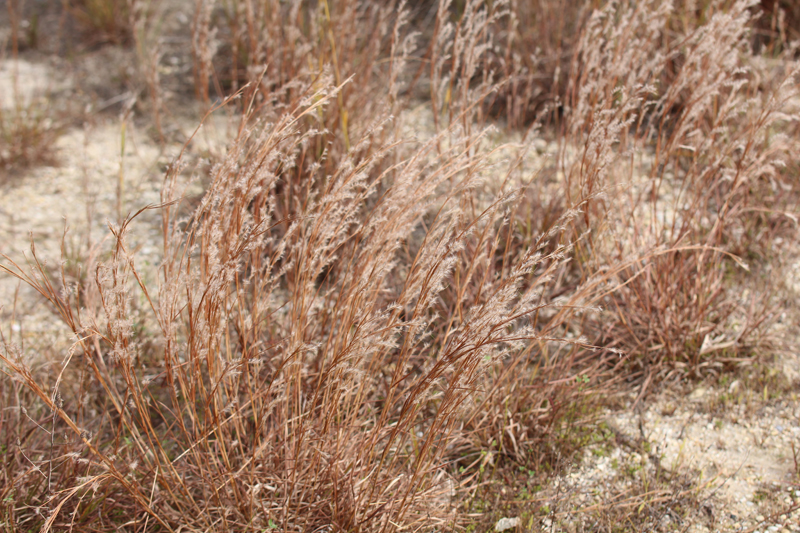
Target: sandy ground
{"points": [[744, 457], [106, 168]]}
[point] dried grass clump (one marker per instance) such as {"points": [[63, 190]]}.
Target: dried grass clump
{"points": [[27, 134], [535, 45], [284, 46], [704, 145], [106, 21], [306, 366], [29, 123]]}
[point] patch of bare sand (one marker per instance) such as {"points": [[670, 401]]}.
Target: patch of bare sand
{"points": [[743, 456], [105, 170], [80, 195], [22, 81]]}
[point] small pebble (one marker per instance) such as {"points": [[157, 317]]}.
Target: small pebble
{"points": [[506, 523]]}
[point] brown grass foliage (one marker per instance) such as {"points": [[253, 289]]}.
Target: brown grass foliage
{"points": [[27, 133], [711, 148], [350, 319], [106, 21], [29, 123]]}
